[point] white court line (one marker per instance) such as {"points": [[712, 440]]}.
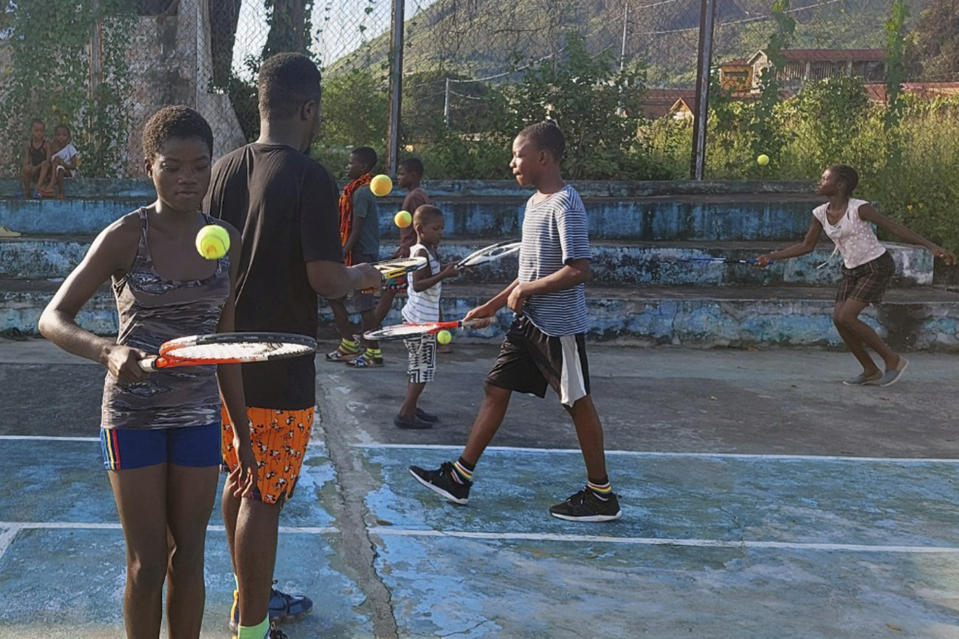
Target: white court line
{"points": [[626, 453], [11, 529], [84, 525], [640, 453], [654, 541], [50, 438]]}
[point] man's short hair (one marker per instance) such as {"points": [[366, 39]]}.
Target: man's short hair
{"points": [[286, 82], [412, 165], [174, 122], [546, 136], [366, 155]]}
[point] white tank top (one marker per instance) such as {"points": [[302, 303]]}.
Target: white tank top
{"points": [[852, 235], [423, 306]]}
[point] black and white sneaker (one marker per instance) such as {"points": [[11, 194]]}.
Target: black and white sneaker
{"points": [[586, 506], [441, 481]]}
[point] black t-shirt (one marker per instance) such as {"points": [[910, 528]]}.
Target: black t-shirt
{"points": [[285, 206]]}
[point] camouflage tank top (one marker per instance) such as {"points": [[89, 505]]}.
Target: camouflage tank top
{"points": [[151, 311]]}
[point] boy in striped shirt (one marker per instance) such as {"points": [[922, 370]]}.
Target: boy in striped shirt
{"points": [[545, 345], [423, 305]]}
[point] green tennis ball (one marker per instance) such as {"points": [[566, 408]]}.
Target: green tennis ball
{"points": [[444, 337], [762, 160], [403, 219], [381, 185], [212, 242]]}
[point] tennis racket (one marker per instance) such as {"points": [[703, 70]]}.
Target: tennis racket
{"points": [[718, 260], [229, 348], [405, 331], [489, 253], [392, 269]]}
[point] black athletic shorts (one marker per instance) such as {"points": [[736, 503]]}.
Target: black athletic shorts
{"points": [[530, 360]]}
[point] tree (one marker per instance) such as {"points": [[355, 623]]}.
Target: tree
{"points": [[353, 109], [289, 26], [595, 103], [50, 72], [934, 43], [895, 65], [768, 138]]}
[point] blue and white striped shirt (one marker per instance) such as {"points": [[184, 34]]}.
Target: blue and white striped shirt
{"points": [[554, 232]]}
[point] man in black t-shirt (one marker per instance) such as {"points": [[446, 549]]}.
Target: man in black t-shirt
{"points": [[285, 205]]}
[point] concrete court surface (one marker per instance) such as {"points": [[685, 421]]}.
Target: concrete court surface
{"points": [[761, 499]]}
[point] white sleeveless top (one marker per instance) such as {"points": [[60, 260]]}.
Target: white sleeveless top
{"points": [[852, 235], [423, 306]]}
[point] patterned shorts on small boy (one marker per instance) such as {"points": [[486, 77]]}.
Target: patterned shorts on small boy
{"points": [[422, 358]]}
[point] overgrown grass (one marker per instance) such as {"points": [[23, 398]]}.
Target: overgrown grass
{"points": [[910, 171]]}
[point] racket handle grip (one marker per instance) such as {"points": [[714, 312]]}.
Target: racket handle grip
{"points": [[149, 364]]}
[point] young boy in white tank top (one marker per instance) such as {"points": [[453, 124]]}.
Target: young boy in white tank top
{"points": [[423, 305]]}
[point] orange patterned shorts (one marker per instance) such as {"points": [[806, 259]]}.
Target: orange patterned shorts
{"points": [[279, 443]]}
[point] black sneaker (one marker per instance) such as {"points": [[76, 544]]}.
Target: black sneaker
{"points": [[411, 424], [441, 481], [426, 417], [586, 506]]}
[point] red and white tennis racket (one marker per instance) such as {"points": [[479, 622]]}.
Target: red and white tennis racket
{"points": [[406, 331], [229, 348], [489, 253]]}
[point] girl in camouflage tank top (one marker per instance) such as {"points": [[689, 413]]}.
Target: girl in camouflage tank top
{"points": [[161, 431]]}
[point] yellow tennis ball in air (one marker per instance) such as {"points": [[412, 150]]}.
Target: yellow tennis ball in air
{"points": [[762, 160], [213, 241], [444, 337], [381, 185], [403, 219]]}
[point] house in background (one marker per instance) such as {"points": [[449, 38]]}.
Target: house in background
{"points": [[674, 103], [803, 65]]}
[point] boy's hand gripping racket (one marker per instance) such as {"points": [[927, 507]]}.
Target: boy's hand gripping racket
{"points": [[489, 253], [229, 348], [406, 331]]}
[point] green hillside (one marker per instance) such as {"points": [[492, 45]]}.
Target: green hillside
{"points": [[487, 37]]}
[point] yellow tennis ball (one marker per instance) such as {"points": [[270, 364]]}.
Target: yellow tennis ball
{"points": [[762, 160], [381, 185], [444, 337], [213, 241], [403, 219]]}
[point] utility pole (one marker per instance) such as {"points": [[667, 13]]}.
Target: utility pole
{"points": [[622, 49], [707, 16], [396, 84], [446, 104]]}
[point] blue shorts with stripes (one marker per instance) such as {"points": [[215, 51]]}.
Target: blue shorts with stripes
{"points": [[126, 448]]}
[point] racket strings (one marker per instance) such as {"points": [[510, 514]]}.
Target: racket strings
{"points": [[402, 330], [238, 350]]}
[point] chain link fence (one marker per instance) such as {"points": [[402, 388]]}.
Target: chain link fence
{"points": [[473, 71]]}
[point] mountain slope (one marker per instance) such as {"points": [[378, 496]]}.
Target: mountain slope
{"points": [[479, 38]]}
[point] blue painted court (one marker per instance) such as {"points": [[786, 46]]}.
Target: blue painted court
{"points": [[710, 545]]}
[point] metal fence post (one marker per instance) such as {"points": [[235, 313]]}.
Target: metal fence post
{"points": [[706, 19], [396, 84]]}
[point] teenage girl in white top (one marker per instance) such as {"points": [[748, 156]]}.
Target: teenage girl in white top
{"points": [[867, 268]]}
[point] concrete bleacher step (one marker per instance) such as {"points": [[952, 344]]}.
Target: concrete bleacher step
{"points": [[613, 263], [910, 318], [721, 216]]}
